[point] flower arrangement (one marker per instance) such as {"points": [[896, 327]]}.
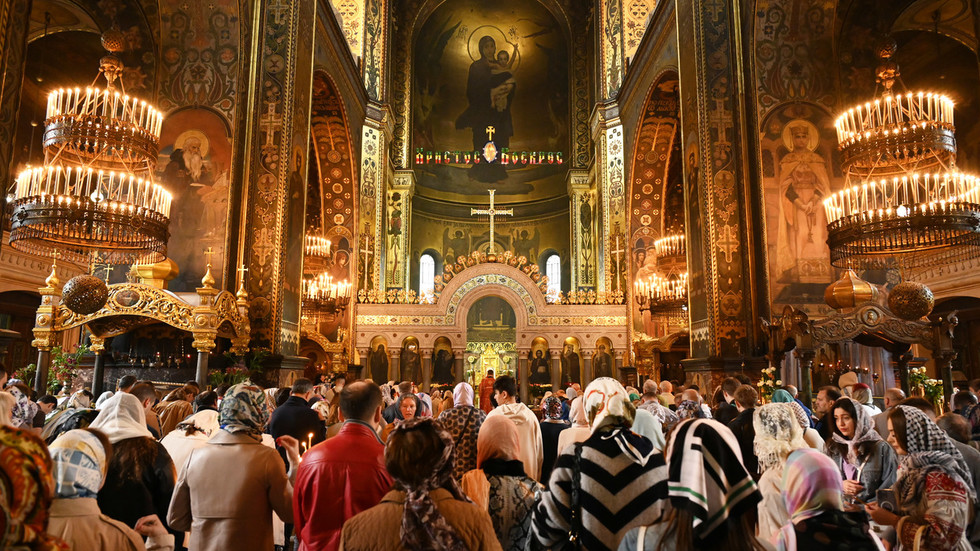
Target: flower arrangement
{"points": [[768, 383], [931, 389], [61, 373]]}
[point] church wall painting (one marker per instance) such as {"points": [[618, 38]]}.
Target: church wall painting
{"points": [[603, 361], [800, 169], [443, 361], [491, 319], [502, 65], [410, 361], [378, 361], [194, 164], [570, 361], [539, 362]]}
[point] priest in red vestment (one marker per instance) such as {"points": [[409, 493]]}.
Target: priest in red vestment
{"points": [[486, 391]]}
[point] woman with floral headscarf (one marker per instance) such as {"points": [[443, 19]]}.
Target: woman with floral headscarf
{"points": [[934, 491], [463, 422], [551, 429], [26, 492], [777, 434], [81, 460], [712, 497], [867, 462], [24, 410], [140, 476], [602, 487], [426, 509], [228, 489], [814, 498]]}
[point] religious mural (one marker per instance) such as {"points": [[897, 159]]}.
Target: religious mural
{"points": [[539, 363], [410, 361], [799, 171], [491, 319], [195, 166], [443, 362], [496, 73], [603, 362], [571, 361], [378, 361]]}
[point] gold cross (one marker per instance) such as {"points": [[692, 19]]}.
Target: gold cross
{"points": [[242, 270], [490, 132], [618, 253], [493, 213], [208, 253]]}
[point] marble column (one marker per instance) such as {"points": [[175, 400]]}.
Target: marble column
{"points": [[426, 370], [394, 365], [522, 374], [556, 369]]}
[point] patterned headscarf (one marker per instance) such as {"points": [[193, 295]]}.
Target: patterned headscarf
{"points": [[777, 434], [801, 416], [608, 407], [425, 405], [26, 491], [924, 441], [423, 526], [689, 409], [811, 485], [79, 464], [551, 407], [706, 477], [244, 410], [386, 394], [864, 431], [463, 395], [24, 410], [606, 403]]}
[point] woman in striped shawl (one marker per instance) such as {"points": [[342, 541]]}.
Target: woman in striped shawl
{"points": [[712, 497], [602, 487]]}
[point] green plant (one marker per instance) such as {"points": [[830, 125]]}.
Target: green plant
{"points": [[27, 374], [64, 367]]}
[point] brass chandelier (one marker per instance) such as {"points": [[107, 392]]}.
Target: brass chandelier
{"points": [[665, 292], [323, 298], [905, 205], [94, 199]]}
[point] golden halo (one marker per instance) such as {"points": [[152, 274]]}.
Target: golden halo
{"points": [[811, 129], [498, 37], [205, 142]]}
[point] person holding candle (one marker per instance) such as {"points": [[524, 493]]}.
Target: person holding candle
{"points": [[228, 490]]}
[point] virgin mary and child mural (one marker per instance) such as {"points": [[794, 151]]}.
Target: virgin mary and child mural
{"points": [[490, 72]]}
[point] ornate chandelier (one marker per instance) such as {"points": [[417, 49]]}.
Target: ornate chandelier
{"points": [[905, 205], [666, 292], [323, 298], [95, 199]]}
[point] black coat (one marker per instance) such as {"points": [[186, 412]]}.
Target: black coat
{"points": [[296, 418], [726, 413], [745, 434]]}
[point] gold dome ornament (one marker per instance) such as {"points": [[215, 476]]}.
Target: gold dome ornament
{"points": [[849, 291], [85, 294], [158, 274], [911, 300]]}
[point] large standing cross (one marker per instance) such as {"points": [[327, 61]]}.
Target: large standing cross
{"points": [[493, 213], [618, 253], [368, 253]]}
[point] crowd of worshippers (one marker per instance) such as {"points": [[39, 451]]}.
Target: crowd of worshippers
{"points": [[360, 466]]}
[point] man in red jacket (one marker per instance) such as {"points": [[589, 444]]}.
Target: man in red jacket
{"points": [[344, 475]]}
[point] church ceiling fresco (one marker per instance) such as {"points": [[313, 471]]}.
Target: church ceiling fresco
{"points": [[517, 83]]}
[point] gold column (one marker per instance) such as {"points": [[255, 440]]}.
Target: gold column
{"points": [[376, 172], [609, 176], [582, 209], [399, 218]]}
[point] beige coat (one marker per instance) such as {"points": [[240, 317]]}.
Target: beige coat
{"points": [[226, 493], [377, 528], [79, 523]]}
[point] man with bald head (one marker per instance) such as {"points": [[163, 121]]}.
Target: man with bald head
{"points": [[892, 397], [344, 475]]}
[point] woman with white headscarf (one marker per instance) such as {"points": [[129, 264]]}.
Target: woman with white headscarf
{"points": [[463, 421], [140, 477], [80, 460], [647, 426], [777, 434], [619, 480], [579, 431], [190, 434]]}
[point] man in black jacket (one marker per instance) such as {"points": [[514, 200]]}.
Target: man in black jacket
{"points": [[745, 398], [296, 418], [727, 411]]}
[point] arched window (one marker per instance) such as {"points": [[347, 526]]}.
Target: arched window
{"points": [[552, 269], [427, 275]]}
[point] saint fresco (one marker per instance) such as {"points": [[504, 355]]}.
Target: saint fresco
{"points": [[491, 73]]}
